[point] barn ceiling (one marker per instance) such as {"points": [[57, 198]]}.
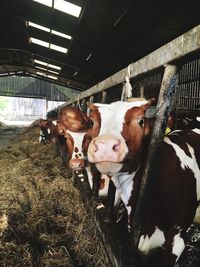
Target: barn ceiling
{"points": [[101, 36]]}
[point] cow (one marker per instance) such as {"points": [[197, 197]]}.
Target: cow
{"points": [[120, 135], [74, 124], [49, 133], [188, 122]]}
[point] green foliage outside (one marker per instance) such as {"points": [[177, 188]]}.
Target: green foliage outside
{"points": [[3, 102]]}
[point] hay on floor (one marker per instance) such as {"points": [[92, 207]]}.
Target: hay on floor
{"points": [[42, 219]]}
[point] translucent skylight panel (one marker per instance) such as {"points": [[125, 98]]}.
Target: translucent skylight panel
{"points": [[46, 64], [58, 48], [45, 2], [40, 62], [39, 42], [61, 34], [40, 73], [54, 67], [67, 7], [38, 26], [52, 77], [55, 72], [41, 68]]}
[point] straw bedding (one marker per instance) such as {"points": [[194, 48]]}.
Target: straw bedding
{"points": [[42, 218]]}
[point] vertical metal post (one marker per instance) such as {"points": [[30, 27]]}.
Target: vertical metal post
{"points": [[110, 200], [142, 91], [162, 112]]}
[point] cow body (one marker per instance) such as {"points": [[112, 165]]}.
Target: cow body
{"points": [[190, 122], [120, 135]]}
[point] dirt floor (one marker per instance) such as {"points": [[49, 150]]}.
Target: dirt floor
{"points": [[42, 219]]}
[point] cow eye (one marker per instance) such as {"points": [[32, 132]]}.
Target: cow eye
{"points": [[141, 121], [91, 123]]}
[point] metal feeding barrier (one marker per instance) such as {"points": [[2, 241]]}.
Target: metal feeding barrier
{"points": [[172, 75], [188, 90]]}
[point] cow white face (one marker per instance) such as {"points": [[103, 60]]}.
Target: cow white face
{"points": [[75, 149], [117, 131]]}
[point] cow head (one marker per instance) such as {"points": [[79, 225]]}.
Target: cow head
{"points": [[48, 131], [73, 119], [73, 123], [117, 132]]}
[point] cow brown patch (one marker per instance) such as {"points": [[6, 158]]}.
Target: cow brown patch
{"points": [[95, 118]]}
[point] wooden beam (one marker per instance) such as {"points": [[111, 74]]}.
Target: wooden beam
{"points": [[181, 46], [163, 108]]}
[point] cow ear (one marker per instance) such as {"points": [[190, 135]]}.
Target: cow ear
{"points": [[91, 106], [148, 104]]}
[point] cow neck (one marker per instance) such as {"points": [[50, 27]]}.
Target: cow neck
{"points": [[123, 183], [133, 159], [128, 183]]}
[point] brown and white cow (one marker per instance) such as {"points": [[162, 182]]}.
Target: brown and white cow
{"points": [[120, 135], [49, 133], [74, 124]]}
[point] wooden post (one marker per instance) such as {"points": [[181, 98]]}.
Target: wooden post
{"points": [[91, 100], [162, 112], [104, 95], [142, 91]]}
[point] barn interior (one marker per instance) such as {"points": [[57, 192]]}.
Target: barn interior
{"points": [[53, 51], [99, 40]]}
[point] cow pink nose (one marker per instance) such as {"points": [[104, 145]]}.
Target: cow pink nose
{"points": [[112, 145], [76, 164], [106, 148]]}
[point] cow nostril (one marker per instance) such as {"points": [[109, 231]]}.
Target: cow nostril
{"points": [[116, 146], [80, 163], [95, 146]]}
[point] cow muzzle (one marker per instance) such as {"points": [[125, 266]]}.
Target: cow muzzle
{"points": [[107, 151], [76, 164]]}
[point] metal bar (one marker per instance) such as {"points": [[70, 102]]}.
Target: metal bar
{"points": [[181, 46], [167, 92], [108, 215]]}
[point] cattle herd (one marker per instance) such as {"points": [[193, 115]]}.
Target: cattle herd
{"points": [[111, 144]]}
